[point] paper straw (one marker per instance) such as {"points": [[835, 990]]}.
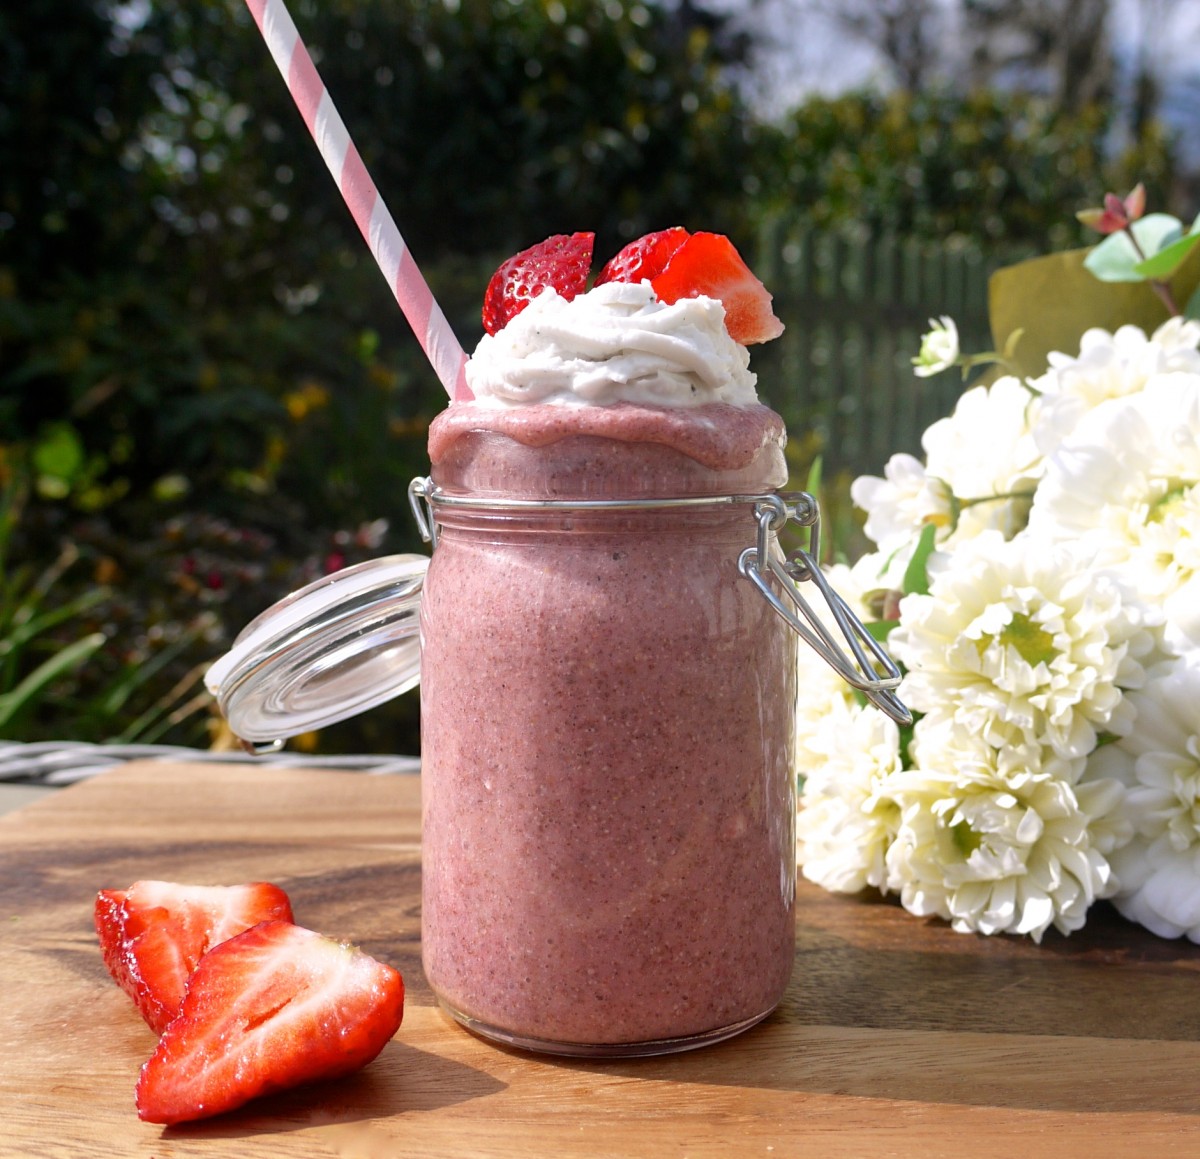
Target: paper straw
{"points": [[362, 198]]}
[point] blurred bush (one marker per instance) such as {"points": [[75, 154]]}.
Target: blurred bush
{"points": [[1004, 168]]}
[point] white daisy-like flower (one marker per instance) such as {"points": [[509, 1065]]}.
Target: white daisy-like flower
{"points": [[902, 502], [939, 348], [1023, 636], [982, 467], [985, 455], [846, 820], [1126, 486], [1159, 762], [997, 840], [1109, 366], [846, 750]]}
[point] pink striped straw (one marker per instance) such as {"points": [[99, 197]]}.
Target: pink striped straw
{"points": [[362, 198]]}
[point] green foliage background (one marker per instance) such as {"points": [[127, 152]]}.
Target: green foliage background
{"points": [[208, 396]]}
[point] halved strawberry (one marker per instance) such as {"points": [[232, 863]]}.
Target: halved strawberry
{"points": [[272, 1008], [708, 264], [154, 933], [109, 916], [562, 261], [645, 258]]}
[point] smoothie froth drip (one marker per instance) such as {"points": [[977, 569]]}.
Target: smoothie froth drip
{"points": [[616, 343]]}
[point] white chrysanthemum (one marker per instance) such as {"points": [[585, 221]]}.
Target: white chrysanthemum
{"points": [[845, 750], [991, 846], [981, 471], [899, 504], [846, 820], [1159, 869], [1126, 485], [985, 454], [1021, 635], [1109, 366]]}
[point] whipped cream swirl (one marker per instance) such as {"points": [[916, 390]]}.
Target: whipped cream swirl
{"points": [[616, 343]]}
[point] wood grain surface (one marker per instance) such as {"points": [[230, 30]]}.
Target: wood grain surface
{"points": [[897, 1037]]}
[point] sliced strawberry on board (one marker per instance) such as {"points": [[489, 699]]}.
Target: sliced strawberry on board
{"points": [[109, 915], [154, 933], [562, 261], [708, 264], [273, 1008], [644, 259]]}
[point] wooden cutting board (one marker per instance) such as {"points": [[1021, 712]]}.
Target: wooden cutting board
{"points": [[897, 1036]]}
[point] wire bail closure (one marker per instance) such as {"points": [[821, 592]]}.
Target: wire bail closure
{"points": [[866, 666], [420, 499], [861, 667]]}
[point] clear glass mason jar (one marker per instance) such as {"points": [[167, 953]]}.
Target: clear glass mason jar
{"points": [[607, 668], [607, 718]]}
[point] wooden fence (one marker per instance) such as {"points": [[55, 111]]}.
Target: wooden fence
{"points": [[855, 307]]}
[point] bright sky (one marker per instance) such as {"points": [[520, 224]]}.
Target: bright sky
{"points": [[813, 55]]}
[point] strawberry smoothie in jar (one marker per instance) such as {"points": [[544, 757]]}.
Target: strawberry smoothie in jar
{"points": [[607, 635], [607, 699]]}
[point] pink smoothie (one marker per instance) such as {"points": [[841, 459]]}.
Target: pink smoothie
{"points": [[606, 733]]}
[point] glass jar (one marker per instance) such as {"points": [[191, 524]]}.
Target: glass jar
{"points": [[608, 848], [607, 667]]}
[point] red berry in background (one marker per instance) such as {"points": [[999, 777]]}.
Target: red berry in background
{"points": [[562, 261], [645, 258]]}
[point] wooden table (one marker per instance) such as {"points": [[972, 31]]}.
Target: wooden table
{"points": [[897, 1037]]}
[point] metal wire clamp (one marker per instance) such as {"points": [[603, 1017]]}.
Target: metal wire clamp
{"points": [[861, 668]]}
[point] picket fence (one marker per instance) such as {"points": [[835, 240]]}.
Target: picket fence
{"points": [[855, 307]]}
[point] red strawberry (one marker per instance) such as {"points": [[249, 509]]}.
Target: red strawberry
{"points": [[708, 264], [153, 934], [109, 916], [561, 261], [272, 1008], [645, 258]]}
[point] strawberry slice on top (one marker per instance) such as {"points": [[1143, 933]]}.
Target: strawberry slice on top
{"points": [[153, 934], [644, 259], [274, 1007], [562, 261], [708, 264]]}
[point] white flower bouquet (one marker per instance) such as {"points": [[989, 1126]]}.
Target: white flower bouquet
{"points": [[1037, 577]]}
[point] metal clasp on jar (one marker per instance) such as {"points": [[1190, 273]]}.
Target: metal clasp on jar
{"points": [[420, 499], [861, 667]]}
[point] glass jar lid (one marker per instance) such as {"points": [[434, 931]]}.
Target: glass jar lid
{"points": [[343, 644]]}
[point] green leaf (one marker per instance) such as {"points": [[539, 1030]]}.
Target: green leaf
{"points": [[879, 630], [1054, 299], [46, 673], [143, 674], [1115, 259], [33, 623], [916, 575], [1192, 309], [59, 452], [1164, 263], [813, 483]]}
